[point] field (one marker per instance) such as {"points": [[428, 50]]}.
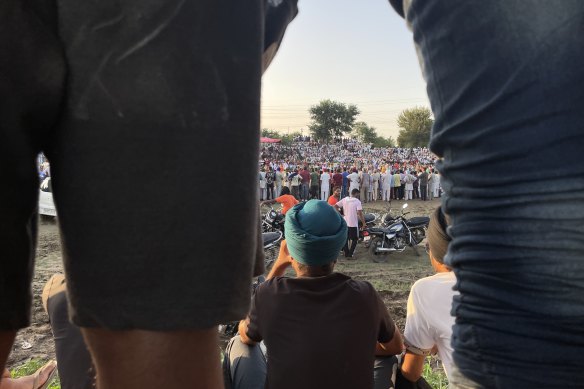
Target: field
{"points": [[392, 280]]}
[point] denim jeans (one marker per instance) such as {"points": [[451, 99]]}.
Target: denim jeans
{"points": [[506, 84], [245, 367]]}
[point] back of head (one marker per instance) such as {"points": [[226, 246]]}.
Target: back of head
{"points": [[315, 233], [438, 238]]}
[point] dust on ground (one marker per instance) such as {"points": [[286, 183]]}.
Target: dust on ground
{"points": [[392, 279]]}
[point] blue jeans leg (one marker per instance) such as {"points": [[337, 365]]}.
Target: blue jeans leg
{"points": [[509, 125], [244, 365]]}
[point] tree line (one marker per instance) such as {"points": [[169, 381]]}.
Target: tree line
{"points": [[330, 119]]}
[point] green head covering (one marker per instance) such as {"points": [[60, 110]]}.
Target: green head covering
{"points": [[315, 232]]}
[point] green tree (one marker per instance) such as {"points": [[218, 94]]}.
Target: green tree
{"points": [[416, 125], [267, 133], [331, 118], [384, 142], [365, 133], [288, 138]]}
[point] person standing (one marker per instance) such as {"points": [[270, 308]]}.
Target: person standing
{"points": [[431, 184], [338, 178], [416, 185], [304, 183], [352, 212], [270, 177], [345, 189], [423, 177], [295, 180], [386, 185], [436, 184], [365, 184], [279, 179], [263, 191], [314, 184], [375, 177], [397, 186], [325, 182], [402, 177], [409, 185], [353, 179]]}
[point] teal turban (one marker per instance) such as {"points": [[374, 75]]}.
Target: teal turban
{"points": [[315, 232]]}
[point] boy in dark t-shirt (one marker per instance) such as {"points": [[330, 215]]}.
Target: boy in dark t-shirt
{"points": [[322, 329]]}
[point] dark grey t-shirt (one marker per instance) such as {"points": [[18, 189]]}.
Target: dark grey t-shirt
{"points": [[320, 332]]}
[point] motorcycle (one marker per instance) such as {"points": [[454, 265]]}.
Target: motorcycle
{"points": [[395, 235], [370, 220], [273, 221], [418, 224]]}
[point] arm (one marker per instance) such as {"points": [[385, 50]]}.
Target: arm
{"points": [[362, 218], [413, 366], [243, 332], [282, 263], [267, 202], [394, 347]]}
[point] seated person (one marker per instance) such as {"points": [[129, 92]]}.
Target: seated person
{"points": [[285, 198], [322, 329], [429, 323], [39, 380], [75, 367]]}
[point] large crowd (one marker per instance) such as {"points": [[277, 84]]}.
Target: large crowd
{"points": [[313, 170], [342, 153]]}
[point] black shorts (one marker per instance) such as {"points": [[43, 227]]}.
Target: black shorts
{"points": [[139, 106]]}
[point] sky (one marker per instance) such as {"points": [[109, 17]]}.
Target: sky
{"points": [[352, 51]]}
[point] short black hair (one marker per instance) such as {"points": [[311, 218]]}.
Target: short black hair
{"points": [[285, 190], [319, 270], [355, 191]]}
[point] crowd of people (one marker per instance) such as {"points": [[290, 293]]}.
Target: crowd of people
{"points": [[342, 152], [380, 175]]}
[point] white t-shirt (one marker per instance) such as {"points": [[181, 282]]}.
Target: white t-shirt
{"points": [[354, 180], [350, 207], [428, 320], [325, 178]]}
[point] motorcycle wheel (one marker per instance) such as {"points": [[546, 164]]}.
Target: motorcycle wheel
{"points": [[418, 235], [377, 257]]}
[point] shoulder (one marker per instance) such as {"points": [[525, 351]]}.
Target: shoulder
{"points": [[434, 283]]}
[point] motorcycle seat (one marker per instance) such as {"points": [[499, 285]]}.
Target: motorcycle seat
{"points": [[418, 221], [270, 237], [369, 217], [378, 230]]}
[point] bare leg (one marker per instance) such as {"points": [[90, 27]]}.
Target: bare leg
{"points": [[140, 359], [6, 340]]}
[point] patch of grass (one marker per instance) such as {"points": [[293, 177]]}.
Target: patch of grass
{"points": [[434, 374], [31, 367]]}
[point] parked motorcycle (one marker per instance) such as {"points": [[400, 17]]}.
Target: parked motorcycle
{"points": [[273, 221], [370, 221], [397, 236], [418, 224]]}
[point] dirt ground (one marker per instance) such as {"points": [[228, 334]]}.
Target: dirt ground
{"points": [[392, 279]]}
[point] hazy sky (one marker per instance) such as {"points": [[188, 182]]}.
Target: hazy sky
{"points": [[352, 51]]}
